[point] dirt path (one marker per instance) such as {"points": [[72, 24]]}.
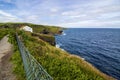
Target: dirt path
{"points": [[5, 64]]}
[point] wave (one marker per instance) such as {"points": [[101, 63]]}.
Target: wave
{"points": [[83, 58], [64, 33], [57, 46]]}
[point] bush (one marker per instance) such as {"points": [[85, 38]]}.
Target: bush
{"points": [[3, 32]]}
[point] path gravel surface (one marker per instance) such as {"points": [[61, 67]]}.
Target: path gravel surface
{"points": [[5, 64]]}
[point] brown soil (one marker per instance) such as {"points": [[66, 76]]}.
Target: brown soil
{"points": [[5, 64]]}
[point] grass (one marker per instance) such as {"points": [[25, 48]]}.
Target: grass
{"points": [[48, 38], [59, 64], [3, 32], [18, 69], [36, 28]]}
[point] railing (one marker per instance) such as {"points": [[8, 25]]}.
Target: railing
{"points": [[33, 70]]}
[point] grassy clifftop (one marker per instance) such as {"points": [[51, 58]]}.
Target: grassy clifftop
{"points": [[44, 32], [59, 64], [36, 28]]}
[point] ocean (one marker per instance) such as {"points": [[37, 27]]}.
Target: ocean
{"points": [[98, 46]]}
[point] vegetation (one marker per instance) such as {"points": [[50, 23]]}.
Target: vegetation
{"points": [[3, 32], [18, 69], [48, 38], [36, 28], [59, 64]]}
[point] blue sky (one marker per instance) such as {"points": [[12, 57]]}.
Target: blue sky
{"points": [[65, 13]]}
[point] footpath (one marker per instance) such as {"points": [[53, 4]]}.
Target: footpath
{"points": [[5, 64]]}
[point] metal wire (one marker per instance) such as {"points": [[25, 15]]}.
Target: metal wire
{"points": [[33, 70]]}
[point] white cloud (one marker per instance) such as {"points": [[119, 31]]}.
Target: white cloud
{"points": [[92, 23], [79, 13], [70, 13], [96, 13], [5, 17], [33, 17], [78, 16], [5, 14], [54, 10]]}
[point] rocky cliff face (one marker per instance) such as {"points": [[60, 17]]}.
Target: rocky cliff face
{"points": [[47, 38]]}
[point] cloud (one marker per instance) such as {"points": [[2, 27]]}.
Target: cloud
{"points": [[93, 24], [6, 17], [97, 13], [5, 14], [54, 10], [79, 13]]}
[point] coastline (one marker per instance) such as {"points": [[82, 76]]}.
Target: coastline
{"points": [[87, 64], [94, 68], [56, 60]]}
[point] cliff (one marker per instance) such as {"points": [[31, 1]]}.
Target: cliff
{"points": [[43, 32], [59, 64]]}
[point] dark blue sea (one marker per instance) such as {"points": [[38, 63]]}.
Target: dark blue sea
{"points": [[100, 47]]}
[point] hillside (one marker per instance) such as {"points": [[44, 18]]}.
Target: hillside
{"points": [[59, 64], [36, 28]]}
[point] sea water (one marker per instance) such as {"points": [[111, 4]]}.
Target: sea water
{"points": [[100, 47]]}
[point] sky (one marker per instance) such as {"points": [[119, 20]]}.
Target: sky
{"points": [[64, 13]]}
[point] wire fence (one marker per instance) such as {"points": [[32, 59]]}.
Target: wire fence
{"points": [[33, 70]]}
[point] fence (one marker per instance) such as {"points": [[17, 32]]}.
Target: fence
{"points": [[33, 70]]}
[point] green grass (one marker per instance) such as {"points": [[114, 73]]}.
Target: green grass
{"points": [[36, 28], [48, 38], [16, 60], [59, 64], [3, 32]]}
